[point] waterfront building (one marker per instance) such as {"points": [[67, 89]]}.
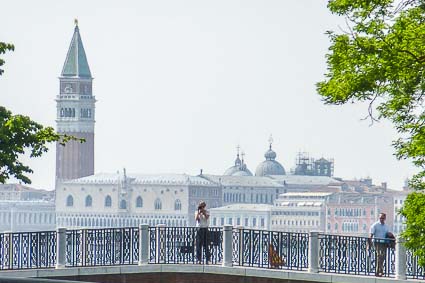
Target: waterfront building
{"points": [[300, 212], [246, 215]]}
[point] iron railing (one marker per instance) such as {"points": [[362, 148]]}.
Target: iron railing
{"points": [[270, 249], [182, 245], [25, 250], [179, 245], [102, 247], [355, 255], [414, 270]]}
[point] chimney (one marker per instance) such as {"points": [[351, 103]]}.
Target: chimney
{"points": [[384, 185]]}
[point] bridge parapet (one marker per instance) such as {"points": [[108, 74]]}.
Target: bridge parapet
{"points": [[308, 253]]}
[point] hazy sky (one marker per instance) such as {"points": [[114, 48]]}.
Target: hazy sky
{"points": [[180, 83]]}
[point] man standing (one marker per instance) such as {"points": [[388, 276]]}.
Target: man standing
{"points": [[202, 237], [379, 231]]}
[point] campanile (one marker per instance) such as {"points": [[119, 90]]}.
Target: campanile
{"points": [[75, 114]]}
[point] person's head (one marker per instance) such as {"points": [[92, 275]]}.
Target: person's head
{"points": [[202, 204], [382, 217]]}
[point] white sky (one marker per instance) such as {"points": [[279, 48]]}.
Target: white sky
{"points": [[180, 83]]}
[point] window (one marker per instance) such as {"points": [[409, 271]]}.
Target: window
{"points": [[69, 201], [254, 222], [139, 202], [230, 221], [123, 204], [158, 204], [177, 205], [89, 201], [246, 222], [262, 222], [336, 227], [108, 201], [222, 221], [238, 221]]}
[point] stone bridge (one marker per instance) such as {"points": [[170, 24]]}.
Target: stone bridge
{"points": [[169, 254]]}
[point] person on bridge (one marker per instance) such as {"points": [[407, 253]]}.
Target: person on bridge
{"points": [[380, 232], [202, 217]]}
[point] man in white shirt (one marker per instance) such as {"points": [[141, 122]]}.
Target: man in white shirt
{"points": [[379, 231], [202, 217]]}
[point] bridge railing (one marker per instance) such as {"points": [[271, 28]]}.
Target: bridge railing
{"points": [[270, 249], [179, 245], [313, 252], [102, 247], [25, 250], [355, 255]]}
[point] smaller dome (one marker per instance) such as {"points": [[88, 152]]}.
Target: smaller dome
{"points": [[239, 169], [231, 170], [242, 173], [270, 154]]}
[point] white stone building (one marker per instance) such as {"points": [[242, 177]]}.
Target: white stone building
{"points": [[115, 200], [254, 216], [399, 199], [26, 209], [299, 212]]}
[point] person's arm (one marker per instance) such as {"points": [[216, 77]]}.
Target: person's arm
{"points": [[207, 214], [197, 216]]}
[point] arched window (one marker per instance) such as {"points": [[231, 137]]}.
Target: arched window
{"points": [[123, 204], [89, 201], [158, 204], [177, 205], [69, 201], [108, 201], [139, 201]]}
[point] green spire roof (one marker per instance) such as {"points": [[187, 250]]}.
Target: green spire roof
{"points": [[76, 61]]}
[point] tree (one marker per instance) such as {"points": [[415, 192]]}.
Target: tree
{"points": [[379, 58], [18, 135]]}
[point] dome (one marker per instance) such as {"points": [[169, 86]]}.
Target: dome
{"points": [[239, 169], [232, 170], [270, 166], [242, 173]]}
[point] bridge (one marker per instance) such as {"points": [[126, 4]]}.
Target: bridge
{"points": [[168, 254]]}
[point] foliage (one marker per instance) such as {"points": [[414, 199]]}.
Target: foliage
{"points": [[415, 220], [19, 134], [380, 58], [3, 48]]}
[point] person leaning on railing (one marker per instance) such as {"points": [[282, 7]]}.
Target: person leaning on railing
{"points": [[202, 218], [380, 232]]}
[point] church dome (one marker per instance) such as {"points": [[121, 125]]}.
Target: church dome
{"points": [[270, 166], [239, 169], [242, 173]]}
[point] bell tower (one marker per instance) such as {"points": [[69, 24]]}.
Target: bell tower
{"points": [[75, 114]]}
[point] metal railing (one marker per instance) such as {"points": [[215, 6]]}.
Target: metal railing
{"points": [[270, 249], [314, 252], [356, 255], [102, 247], [25, 250], [183, 245], [413, 269]]}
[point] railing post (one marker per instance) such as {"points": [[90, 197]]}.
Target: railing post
{"points": [[60, 248], [10, 248], [400, 259], [313, 252], [143, 244], [227, 245], [160, 243], [241, 246]]}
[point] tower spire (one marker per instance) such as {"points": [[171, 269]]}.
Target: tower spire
{"points": [[76, 64]]}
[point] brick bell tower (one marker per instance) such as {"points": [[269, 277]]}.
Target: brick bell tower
{"points": [[75, 114]]}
